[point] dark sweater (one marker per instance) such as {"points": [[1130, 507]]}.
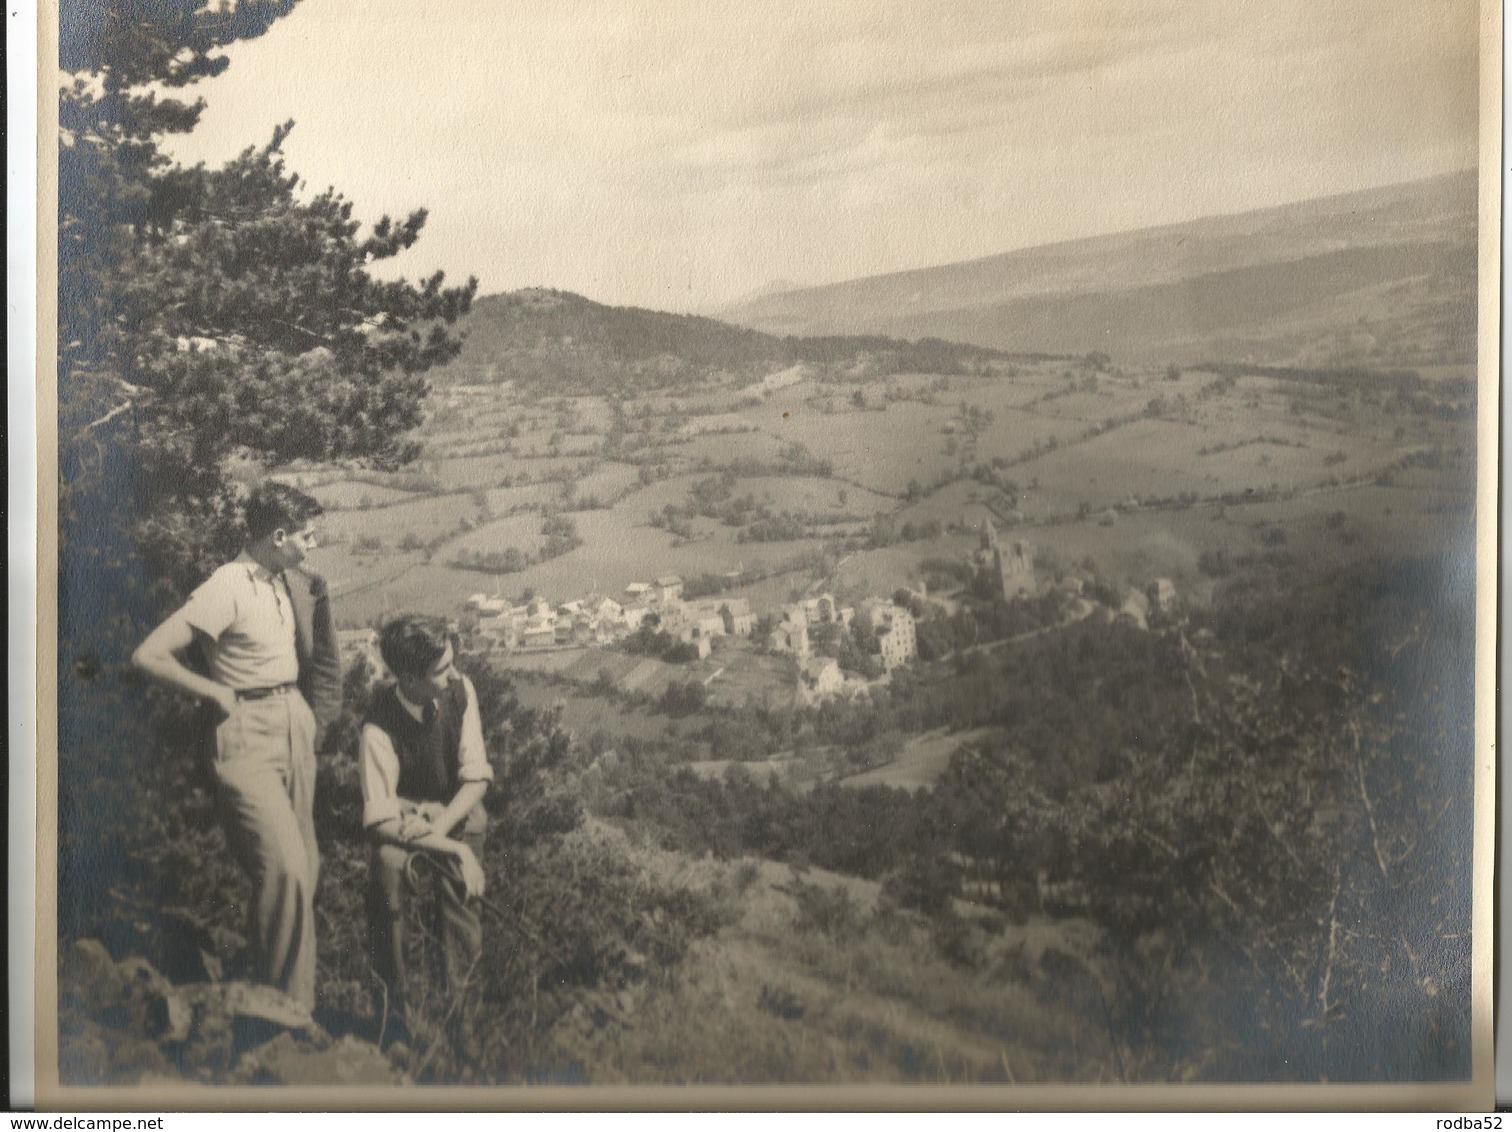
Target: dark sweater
{"points": [[429, 755]]}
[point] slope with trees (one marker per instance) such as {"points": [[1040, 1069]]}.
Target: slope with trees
{"points": [[553, 343]]}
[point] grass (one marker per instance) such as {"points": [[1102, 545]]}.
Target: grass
{"points": [[861, 995], [502, 500], [882, 571], [522, 531], [469, 472], [609, 483], [811, 495], [881, 451], [425, 517], [584, 714], [723, 448], [923, 759], [341, 495]]}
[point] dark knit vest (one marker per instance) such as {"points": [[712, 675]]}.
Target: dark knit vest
{"points": [[428, 755]]}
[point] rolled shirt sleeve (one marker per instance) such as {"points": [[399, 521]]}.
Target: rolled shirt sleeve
{"points": [[211, 608], [472, 755], [380, 776]]}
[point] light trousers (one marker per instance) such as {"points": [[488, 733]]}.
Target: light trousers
{"points": [[265, 767]]}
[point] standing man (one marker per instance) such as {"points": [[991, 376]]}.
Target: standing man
{"points": [[273, 680], [424, 774]]}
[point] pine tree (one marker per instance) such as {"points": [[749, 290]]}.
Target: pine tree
{"points": [[210, 313], [208, 318]]}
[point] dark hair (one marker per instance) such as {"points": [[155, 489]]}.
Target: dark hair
{"points": [[278, 507], [411, 643]]}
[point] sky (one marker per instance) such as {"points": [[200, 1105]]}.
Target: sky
{"points": [[679, 155]]}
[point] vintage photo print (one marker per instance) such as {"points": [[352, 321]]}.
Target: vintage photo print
{"points": [[612, 553]]}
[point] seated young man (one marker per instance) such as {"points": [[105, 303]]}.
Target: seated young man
{"points": [[424, 773]]}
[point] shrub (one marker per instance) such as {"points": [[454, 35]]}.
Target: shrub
{"points": [[825, 909], [926, 884]]}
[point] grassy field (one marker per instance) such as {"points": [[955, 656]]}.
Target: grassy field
{"points": [[720, 449], [521, 531], [502, 500], [924, 759], [346, 495], [881, 451], [424, 517], [471, 472], [1202, 439], [820, 981], [609, 482]]}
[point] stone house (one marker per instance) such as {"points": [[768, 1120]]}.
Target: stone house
{"points": [[819, 678], [790, 637], [739, 621]]}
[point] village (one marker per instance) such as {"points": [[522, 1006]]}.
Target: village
{"points": [[659, 619], [701, 626]]}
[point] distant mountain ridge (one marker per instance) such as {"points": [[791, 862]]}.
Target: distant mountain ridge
{"points": [[557, 342], [1382, 275]]}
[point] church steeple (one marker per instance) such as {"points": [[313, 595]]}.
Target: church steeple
{"points": [[989, 535]]}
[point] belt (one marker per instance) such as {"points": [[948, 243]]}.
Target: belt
{"points": [[264, 693]]}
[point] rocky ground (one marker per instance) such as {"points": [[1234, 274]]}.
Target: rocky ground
{"points": [[123, 1022]]}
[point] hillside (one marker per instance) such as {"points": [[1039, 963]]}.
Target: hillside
{"points": [[557, 343], [1381, 277]]}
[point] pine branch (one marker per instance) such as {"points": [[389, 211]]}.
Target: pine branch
{"points": [[134, 393], [1370, 816]]}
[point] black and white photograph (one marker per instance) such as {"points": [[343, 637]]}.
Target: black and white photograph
{"points": [[922, 548]]}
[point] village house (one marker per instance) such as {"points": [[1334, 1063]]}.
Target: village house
{"points": [[1135, 609], [674, 618], [822, 610], [819, 678], [897, 635], [707, 626], [606, 618], [539, 628], [669, 589], [637, 591], [697, 610], [739, 621], [498, 632], [488, 606], [817, 611], [537, 635], [790, 636]]}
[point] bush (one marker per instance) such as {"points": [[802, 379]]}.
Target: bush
{"points": [[826, 910], [684, 698], [926, 884]]}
